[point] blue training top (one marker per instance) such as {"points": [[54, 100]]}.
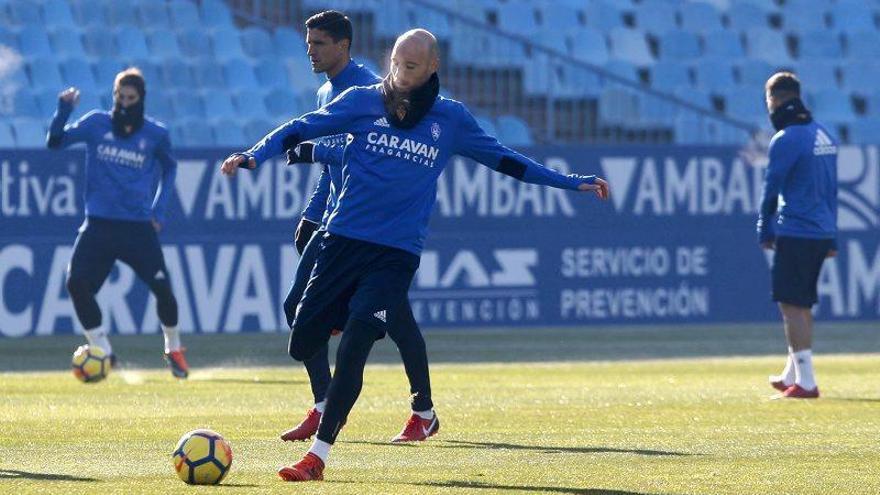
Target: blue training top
{"points": [[323, 199], [803, 173], [389, 174], [120, 172]]}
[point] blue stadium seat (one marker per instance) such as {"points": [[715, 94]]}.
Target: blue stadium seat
{"points": [[25, 13], [603, 15], [184, 14], [270, 75], [513, 131], [87, 103], [754, 72], [163, 44], [219, 106], [255, 129], [45, 74], [78, 72], [654, 111], [153, 14], [9, 39], [66, 42], [187, 104], [747, 104], [863, 46], [589, 45], [227, 44], [630, 45], [121, 14], [657, 17], [24, 104], [194, 43], [15, 78], [700, 17], [817, 75], [177, 74], [743, 15], [853, 16], [622, 68], [865, 131], [47, 101], [283, 103], [819, 45], [714, 75], [29, 133], [132, 44], [86, 15], [679, 45], [256, 42], [229, 133], [433, 21], [7, 139], [804, 17], [195, 133], [391, 22], [250, 104], [105, 72], [209, 75], [560, 17], [34, 42], [240, 74], [618, 106], [57, 13], [215, 14], [552, 39], [768, 45], [148, 68], [99, 42], [287, 42], [832, 105], [860, 78], [667, 76], [161, 107], [725, 43]]}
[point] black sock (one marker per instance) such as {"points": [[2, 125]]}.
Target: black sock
{"points": [[409, 340], [318, 367]]}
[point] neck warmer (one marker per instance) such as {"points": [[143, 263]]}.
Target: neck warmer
{"points": [[414, 105], [792, 112]]}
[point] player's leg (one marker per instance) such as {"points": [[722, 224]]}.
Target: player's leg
{"points": [[405, 332], [144, 254], [92, 259], [317, 366]]}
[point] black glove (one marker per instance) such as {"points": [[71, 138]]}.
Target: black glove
{"points": [[301, 153], [304, 232]]}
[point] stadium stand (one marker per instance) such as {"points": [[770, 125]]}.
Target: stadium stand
{"points": [[538, 70]]}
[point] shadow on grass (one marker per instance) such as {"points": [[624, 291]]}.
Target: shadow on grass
{"points": [[380, 444], [15, 474], [459, 444], [251, 381], [235, 485], [511, 488], [853, 399]]}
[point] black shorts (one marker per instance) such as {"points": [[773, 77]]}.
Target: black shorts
{"points": [[796, 265]]}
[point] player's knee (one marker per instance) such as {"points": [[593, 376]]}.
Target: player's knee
{"points": [[77, 286], [304, 341], [290, 310]]}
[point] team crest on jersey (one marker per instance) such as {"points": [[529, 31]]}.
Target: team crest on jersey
{"points": [[109, 136], [435, 131]]}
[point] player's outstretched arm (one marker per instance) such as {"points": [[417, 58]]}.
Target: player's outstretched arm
{"points": [[166, 182], [473, 142], [783, 156], [61, 136]]}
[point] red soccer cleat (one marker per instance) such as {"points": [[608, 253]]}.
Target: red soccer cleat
{"points": [[797, 392], [418, 429], [177, 363], [779, 384], [310, 468], [304, 430]]}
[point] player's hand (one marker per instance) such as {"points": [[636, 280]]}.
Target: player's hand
{"points": [[231, 165], [69, 95], [156, 225], [599, 186], [301, 153], [831, 253], [770, 245], [304, 232]]}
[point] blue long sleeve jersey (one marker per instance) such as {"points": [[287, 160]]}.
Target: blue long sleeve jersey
{"points": [[389, 175], [120, 172], [323, 199], [803, 173]]}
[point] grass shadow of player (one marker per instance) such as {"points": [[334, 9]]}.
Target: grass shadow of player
{"points": [[460, 444], [515, 488], [381, 444], [253, 381], [27, 475], [852, 399]]}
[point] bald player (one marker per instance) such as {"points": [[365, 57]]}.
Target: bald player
{"points": [[402, 135]]}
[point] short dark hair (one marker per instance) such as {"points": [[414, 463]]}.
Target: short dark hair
{"points": [[783, 84], [335, 23], [131, 76]]}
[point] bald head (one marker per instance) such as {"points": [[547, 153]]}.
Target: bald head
{"points": [[414, 58]]}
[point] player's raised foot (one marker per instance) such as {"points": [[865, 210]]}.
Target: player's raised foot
{"points": [[304, 430], [310, 468], [778, 383], [177, 363], [797, 392], [418, 429]]}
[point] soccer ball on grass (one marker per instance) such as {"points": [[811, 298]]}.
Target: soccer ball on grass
{"points": [[202, 457], [90, 364]]}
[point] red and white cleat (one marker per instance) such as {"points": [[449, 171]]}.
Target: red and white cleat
{"points": [[304, 430], [418, 429], [797, 392], [779, 384], [177, 363], [310, 468]]}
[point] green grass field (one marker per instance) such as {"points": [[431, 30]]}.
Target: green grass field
{"points": [[625, 411]]}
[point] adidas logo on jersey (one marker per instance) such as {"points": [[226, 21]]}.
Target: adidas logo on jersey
{"points": [[160, 275], [381, 316], [823, 144], [383, 122]]}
